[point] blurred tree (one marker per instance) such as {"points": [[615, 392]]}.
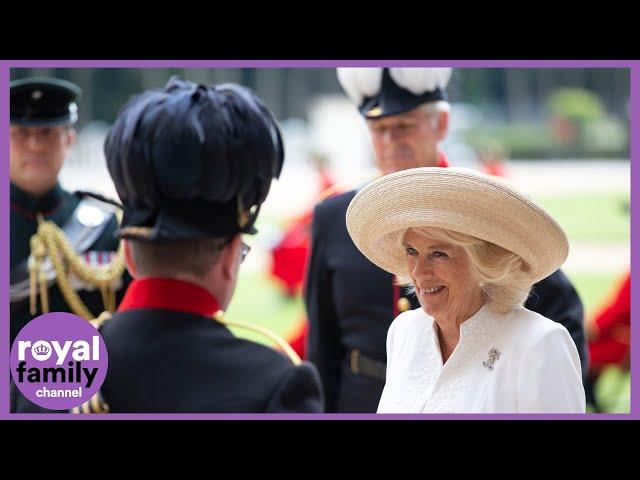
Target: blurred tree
{"points": [[575, 104], [571, 110]]}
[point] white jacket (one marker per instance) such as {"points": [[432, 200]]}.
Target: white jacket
{"points": [[521, 362]]}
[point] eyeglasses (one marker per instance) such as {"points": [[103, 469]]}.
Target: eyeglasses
{"points": [[244, 251], [244, 248]]}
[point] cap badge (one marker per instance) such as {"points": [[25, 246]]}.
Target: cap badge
{"points": [[374, 112]]}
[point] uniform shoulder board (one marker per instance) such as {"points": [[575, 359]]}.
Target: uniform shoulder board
{"points": [[94, 208], [106, 201]]}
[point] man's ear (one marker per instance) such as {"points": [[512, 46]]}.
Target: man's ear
{"points": [[443, 125], [71, 137], [229, 258], [128, 258]]}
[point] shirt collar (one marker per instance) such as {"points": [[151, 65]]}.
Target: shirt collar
{"points": [[479, 322], [29, 203]]}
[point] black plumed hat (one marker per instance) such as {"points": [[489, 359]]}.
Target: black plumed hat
{"points": [[193, 161]]}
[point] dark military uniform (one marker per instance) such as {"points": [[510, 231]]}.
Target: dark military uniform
{"points": [[89, 224], [213, 165], [167, 354], [351, 304], [58, 206]]}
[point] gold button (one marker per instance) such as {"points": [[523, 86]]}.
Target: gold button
{"points": [[404, 304]]}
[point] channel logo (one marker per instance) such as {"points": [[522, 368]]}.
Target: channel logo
{"points": [[58, 361]]}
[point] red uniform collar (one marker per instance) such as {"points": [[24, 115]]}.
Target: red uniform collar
{"points": [[169, 294]]}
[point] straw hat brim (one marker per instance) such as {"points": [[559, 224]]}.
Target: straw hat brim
{"points": [[457, 199]]}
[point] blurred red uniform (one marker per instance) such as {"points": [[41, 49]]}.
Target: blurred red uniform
{"points": [[610, 331], [289, 256], [492, 158], [497, 169]]}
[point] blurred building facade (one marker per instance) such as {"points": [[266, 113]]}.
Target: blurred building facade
{"points": [[534, 113], [508, 92]]}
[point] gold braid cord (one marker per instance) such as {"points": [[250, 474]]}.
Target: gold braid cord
{"points": [[96, 403], [284, 346], [50, 240]]}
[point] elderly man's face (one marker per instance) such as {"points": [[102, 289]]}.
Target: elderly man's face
{"points": [[408, 140], [442, 277], [36, 156]]}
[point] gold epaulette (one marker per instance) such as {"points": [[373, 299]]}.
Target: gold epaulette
{"points": [[279, 341]]}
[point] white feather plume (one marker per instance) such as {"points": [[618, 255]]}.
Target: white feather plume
{"points": [[359, 83], [421, 80]]}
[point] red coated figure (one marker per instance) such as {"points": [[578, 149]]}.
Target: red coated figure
{"points": [[289, 256], [609, 333]]}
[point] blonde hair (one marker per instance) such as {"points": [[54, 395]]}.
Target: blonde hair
{"points": [[501, 274]]}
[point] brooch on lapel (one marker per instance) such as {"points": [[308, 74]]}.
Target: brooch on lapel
{"points": [[494, 355]]}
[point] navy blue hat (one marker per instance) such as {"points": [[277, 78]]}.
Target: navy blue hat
{"points": [[193, 161], [380, 92], [44, 102]]}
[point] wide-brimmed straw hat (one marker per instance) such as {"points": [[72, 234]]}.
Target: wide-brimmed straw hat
{"points": [[457, 199]]}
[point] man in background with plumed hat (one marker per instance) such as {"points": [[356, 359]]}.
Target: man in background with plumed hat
{"points": [[192, 165], [350, 302], [42, 114]]}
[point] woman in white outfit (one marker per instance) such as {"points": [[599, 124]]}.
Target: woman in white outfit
{"points": [[472, 247]]}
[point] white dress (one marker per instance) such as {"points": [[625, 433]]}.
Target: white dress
{"points": [[521, 362]]}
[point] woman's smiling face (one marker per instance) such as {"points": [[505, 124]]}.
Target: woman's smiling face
{"points": [[441, 274]]}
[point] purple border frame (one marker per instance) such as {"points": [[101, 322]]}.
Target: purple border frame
{"points": [[634, 126]]}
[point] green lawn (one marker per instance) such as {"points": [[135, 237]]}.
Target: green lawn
{"points": [[594, 289], [258, 300], [602, 217]]}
